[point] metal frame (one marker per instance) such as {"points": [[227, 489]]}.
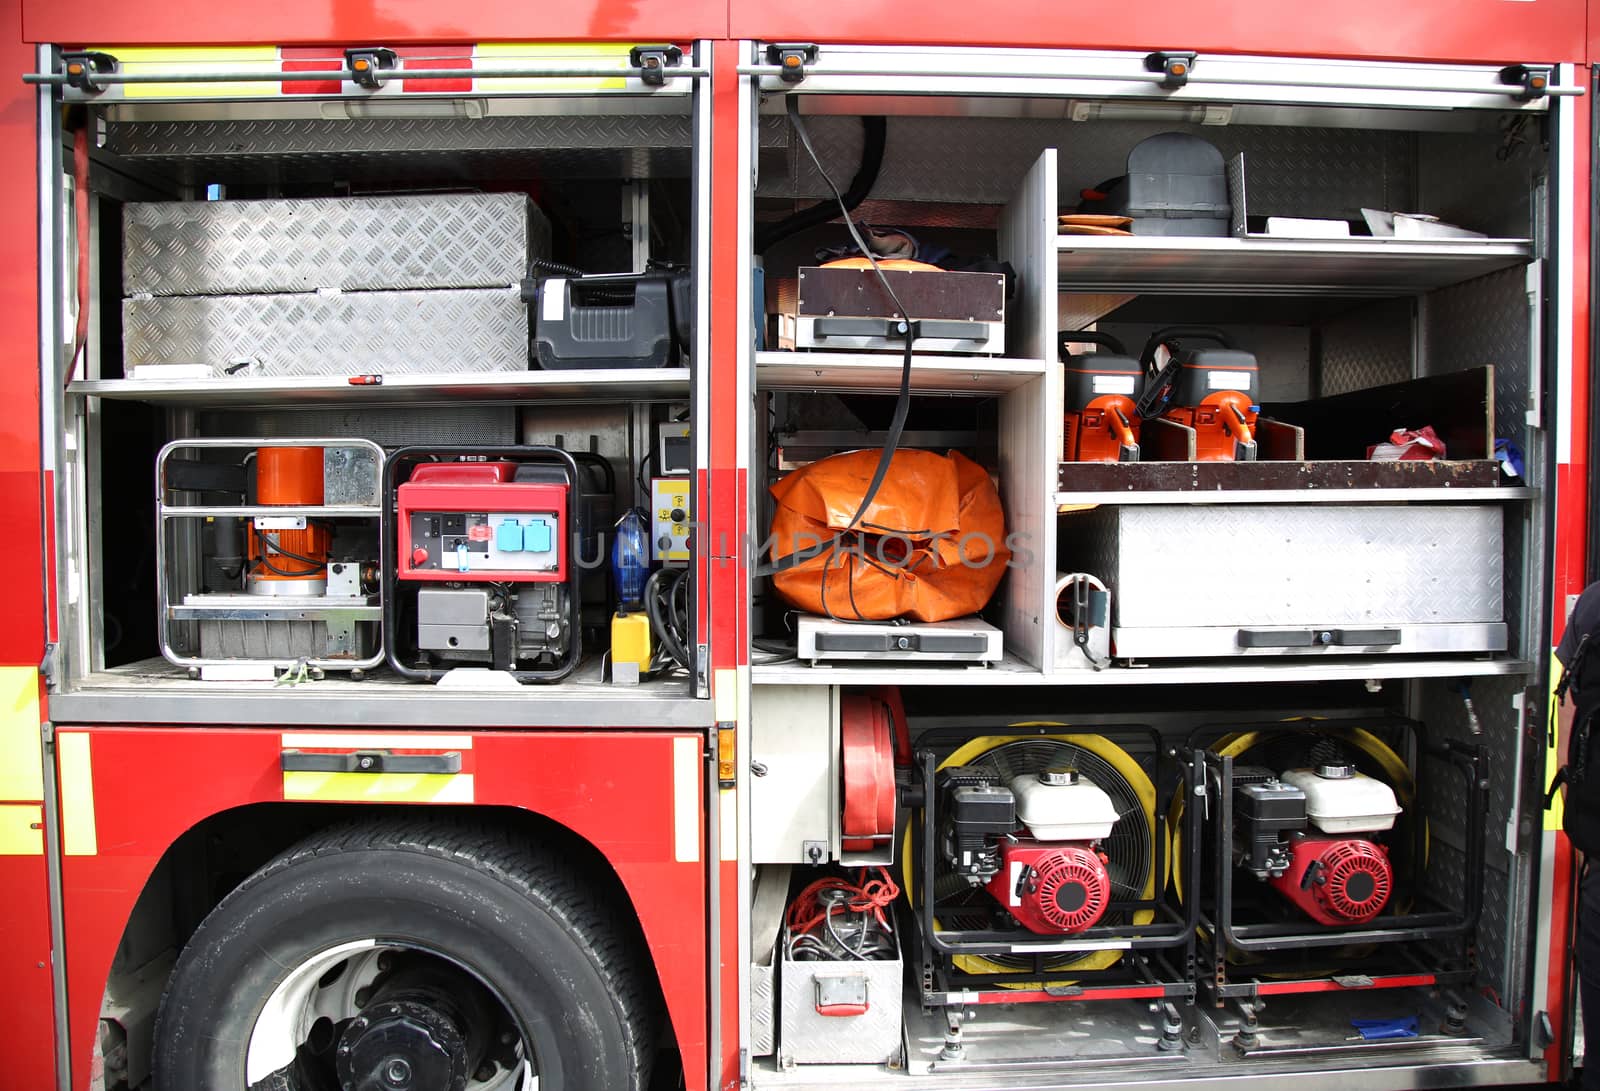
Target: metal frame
{"points": [[1149, 973], [172, 514]]}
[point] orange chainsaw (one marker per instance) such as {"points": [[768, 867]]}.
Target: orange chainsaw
{"points": [[1100, 420], [1211, 390]]}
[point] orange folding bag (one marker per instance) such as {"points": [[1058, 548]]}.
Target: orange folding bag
{"points": [[932, 545]]}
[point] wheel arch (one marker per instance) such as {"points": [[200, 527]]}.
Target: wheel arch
{"points": [[215, 855]]}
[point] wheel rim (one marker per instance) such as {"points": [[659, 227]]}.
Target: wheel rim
{"points": [[386, 1015]]}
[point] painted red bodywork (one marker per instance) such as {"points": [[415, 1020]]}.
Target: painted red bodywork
{"points": [[1472, 31], [152, 783], [613, 788]]}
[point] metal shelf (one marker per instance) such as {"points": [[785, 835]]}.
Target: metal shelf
{"points": [[1064, 500], [155, 691], [610, 384], [1011, 672], [880, 372], [1270, 266], [268, 608]]}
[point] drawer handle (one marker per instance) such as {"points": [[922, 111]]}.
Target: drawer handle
{"points": [[370, 761], [1318, 638]]}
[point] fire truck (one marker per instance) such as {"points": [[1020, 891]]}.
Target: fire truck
{"points": [[790, 545]]}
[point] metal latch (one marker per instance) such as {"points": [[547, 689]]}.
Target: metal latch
{"points": [[652, 61], [370, 761], [1173, 64], [82, 68], [841, 994], [792, 60], [1534, 79], [367, 65]]}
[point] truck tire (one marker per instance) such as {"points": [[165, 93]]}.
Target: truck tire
{"points": [[458, 930]]}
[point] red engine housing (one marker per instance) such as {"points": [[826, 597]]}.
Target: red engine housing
{"points": [[1337, 880], [1052, 888]]}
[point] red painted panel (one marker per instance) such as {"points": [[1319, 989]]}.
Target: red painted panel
{"points": [[26, 1008], [22, 607], [360, 22], [1446, 30], [615, 789]]}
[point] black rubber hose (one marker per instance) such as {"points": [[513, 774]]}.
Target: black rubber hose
{"points": [[874, 136]]}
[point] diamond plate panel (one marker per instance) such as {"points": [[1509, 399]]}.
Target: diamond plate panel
{"points": [[1461, 179], [1281, 564], [332, 334], [1484, 321], [454, 240], [1292, 171], [1369, 346], [439, 425], [805, 1037], [763, 1011], [231, 138]]}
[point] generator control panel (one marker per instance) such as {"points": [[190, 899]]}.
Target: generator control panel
{"points": [[478, 522]]}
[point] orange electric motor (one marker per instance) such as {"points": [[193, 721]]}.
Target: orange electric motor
{"points": [[1209, 389], [288, 555], [1099, 422]]}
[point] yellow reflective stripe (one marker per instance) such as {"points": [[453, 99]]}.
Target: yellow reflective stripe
{"points": [[163, 59], [77, 795], [21, 756], [21, 829], [596, 54], [1553, 758], [379, 788]]}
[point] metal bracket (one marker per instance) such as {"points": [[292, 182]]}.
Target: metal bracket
{"points": [[792, 59], [82, 68], [652, 61], [841, 994], [47, 664], [368, 65], [1174, 64], [1534, 79]]}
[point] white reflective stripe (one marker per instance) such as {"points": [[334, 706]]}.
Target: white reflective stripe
{"points": [[316, 740], [1566, 185], [686, 800], [728, 816]]}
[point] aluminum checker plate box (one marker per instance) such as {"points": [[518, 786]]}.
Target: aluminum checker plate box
{"points": [[1190, 581], [448, 240], [806, 1036], [329, 334]]}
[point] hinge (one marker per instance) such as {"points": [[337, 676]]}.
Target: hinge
{"points": [[368, 64], [652, 61], [1534, 79], [702, 670], [1173, 64], [792, 59], [82, 68], [47, 665]]}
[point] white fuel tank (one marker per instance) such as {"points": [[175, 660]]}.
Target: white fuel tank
{"points": [[1060, 804]]}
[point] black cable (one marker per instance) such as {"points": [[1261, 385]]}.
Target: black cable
{"points": [[874, 137], [265, 543], [902, 406], [668, 621]]}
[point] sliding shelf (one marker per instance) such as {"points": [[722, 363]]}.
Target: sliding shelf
{"points": [[1272, 266], [880, 372], [1011, 672], [155, 691], [1066, 500], [610, 384]]}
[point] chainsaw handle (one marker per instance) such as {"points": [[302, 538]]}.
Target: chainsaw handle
{"points": [[1171, 333], [1089, 337], [1158, 391]]}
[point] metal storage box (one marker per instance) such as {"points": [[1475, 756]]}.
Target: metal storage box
{"points": [[448, 240], [807, 1036], [1201, 580], [338, 333]]}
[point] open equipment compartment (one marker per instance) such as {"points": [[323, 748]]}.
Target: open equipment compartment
{"points": [[1385, 325], [309, 269]]}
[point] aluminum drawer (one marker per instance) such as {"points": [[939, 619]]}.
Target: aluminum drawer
{"points": [[1294, 579]]}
